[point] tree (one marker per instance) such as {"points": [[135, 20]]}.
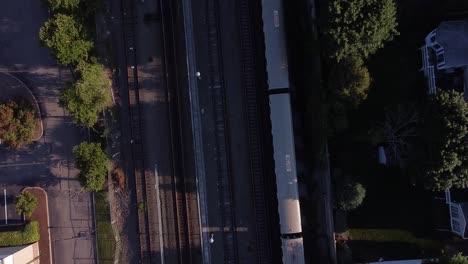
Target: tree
{"points": [[91, 160], [25, 203], [17, 122], [397, 133], [55, 5], [445, 134], [66, 38], [455, 259], [89, 95], [349, 194], [358, 28], [349, 81]]}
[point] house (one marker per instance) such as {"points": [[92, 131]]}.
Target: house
{"points": [[27, 254], [458, 215], [445, 57]]}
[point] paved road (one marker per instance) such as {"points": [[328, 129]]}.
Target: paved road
{"points": [[70, 211]]}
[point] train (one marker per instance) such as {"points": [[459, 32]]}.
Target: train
{"points": [[276, 56]]}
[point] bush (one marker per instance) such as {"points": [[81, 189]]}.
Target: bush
{"points": [[28, 235], [456, 259], [25, 203], [349, 82], [93, 163], [17, 122], [119, 177], [349, 194]]}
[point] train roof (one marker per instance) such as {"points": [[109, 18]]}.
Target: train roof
{"points": [[285, 164], [293, 251], [275, 44]]}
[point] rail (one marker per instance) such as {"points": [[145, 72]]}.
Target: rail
{"points": [[256, 169]]}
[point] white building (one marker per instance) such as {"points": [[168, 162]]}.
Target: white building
{"points": [[27, 254], [446, 50]]}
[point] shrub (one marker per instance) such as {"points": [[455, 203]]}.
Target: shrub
{"points": [[17, 122], [349, 82], [29, 234], [93, 163], [349, 194], [25, 203], [119, 177]]}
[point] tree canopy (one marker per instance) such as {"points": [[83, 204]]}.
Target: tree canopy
{"points": [[349, 194], [349, 81], [446, 131], [455, 259], [17, 122], [66, 38], [88, 95], [93, 164], [63, 4], [358, 28], [25, 203]]}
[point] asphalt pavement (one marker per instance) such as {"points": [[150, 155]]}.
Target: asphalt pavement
{"points": [[48, 162]]}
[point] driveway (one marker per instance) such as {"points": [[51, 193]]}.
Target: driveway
{"points": [[48, 162]]}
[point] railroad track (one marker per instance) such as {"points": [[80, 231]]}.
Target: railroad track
{"points": [[221, 135], [153, 240], [256, 170]]}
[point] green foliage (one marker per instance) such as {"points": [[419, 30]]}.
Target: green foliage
{"points": [[349, 194], [349, 81], [93, 163], [28, 235], [358, 28], [456, 259], [141, 206], [105, 234], [446, 134], [17, 122], [89, 95], [66, 38], [394, 235], [55, 5], [25, 203]]}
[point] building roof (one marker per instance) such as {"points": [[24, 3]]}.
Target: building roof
{"points": [[20, 254], [453, 37]]}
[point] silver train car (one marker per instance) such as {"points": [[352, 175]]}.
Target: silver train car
{"points": [[282, 132]]}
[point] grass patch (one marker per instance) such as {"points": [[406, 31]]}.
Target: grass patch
{"points": [[105, 234], [392, 235], [29, 234]]}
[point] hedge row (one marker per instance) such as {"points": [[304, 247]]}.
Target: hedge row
{"points": [[29, 234]]}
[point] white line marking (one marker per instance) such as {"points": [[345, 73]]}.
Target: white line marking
{"points": [[6, 213], [158, 202]]}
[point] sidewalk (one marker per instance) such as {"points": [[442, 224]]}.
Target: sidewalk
{"points": [[41, 214]]}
